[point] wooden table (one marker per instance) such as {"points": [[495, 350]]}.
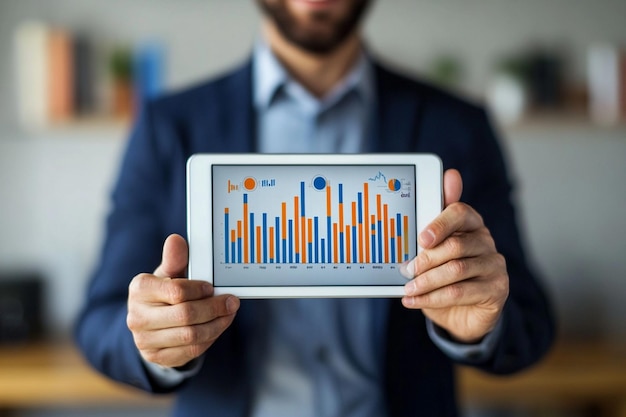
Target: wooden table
{"points": [[585, 376], [54, 375]]}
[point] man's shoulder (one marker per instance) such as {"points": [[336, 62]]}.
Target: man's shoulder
{"points": [[392, 80], [206, 93]]}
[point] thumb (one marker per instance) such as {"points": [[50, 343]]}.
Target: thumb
{"points": [[175, 258], [452, 187]]}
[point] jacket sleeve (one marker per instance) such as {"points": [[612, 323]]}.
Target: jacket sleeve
{"points": [[527, 328], [133, 244]]}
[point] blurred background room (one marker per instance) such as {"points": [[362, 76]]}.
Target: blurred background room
{"points": [[552, 72]]}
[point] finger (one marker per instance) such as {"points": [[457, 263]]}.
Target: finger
{"points": [[459, 245], [199, 334], [183, 314], [147, 288], [452, 187], [169, 348], [456, 246], [457, 217], [453, 272], [174, 259], [466, 293]]}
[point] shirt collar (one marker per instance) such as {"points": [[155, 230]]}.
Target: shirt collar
{"points": [[270, 78]]}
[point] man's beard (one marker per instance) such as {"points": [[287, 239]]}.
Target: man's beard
{"points": [[322, 40]]}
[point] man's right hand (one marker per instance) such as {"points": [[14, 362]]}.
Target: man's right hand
{"points": [[174, 321]]}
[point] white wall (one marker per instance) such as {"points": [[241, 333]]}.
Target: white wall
{"points": [[54, 184]]}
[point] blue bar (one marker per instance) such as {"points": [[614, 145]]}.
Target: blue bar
{"points": [[360, 196], [245, 198], [323, 253], [226, 239], [232, 245], [264, 238], [302, 198], [239, 249], [277, 231], [252, 238], [341, 232], [398, 234], [310, 246], [398, 225], [341, 247], [393, 250], [329, 233], [284, 251], [290, 237], [315, 238]]}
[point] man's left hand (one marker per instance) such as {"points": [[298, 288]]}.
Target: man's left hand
{"points": [[459, 280]]}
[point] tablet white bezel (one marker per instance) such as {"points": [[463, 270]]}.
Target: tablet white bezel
{"points": [[429, 201]]}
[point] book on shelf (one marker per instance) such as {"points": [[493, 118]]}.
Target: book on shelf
{"points": [[59, 76], [607, 83]]}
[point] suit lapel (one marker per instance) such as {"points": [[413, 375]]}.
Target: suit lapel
{"points": [[237, 122], [396, 114]]}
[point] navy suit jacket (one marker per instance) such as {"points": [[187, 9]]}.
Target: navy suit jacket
{"points": [[217, 116]]}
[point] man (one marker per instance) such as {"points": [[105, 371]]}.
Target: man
{"points": [[311, 87]]}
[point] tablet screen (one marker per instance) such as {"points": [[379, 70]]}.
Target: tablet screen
{"points": [[305, 225]]}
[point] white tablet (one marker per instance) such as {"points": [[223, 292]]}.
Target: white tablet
{"points": [[282, 225]]}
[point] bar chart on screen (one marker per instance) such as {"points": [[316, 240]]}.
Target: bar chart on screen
{"points": [[316, 215]]}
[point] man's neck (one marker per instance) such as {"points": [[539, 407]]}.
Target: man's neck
{"points": [[318, 73]]}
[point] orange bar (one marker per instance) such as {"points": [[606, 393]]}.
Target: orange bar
{"points": [[259, 260], [232, 240], [386, 232], [328, 211], [366, 217], [296, 223], [335, 254], [341, 217], [392, 226], [406, 235], [348, 247], [310, 239], [360, 247], [238, 229], [303, 228], [400, 258], [271, 239], [245, 233], [284, 219]]}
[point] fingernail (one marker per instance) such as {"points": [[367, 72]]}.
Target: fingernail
{"points": [[427, 237], [232, 304], [407, 269]]}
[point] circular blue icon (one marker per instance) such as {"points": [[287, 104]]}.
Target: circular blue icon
{"points": [[319, 183]]}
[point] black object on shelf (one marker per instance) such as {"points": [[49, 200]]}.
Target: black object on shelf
{"points": [[21, 296]]}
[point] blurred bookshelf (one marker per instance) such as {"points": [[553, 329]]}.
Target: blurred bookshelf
{"points": [[68, 81]]}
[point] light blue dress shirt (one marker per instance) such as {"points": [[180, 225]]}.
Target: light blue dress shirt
{"points": [[324, 357]]}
